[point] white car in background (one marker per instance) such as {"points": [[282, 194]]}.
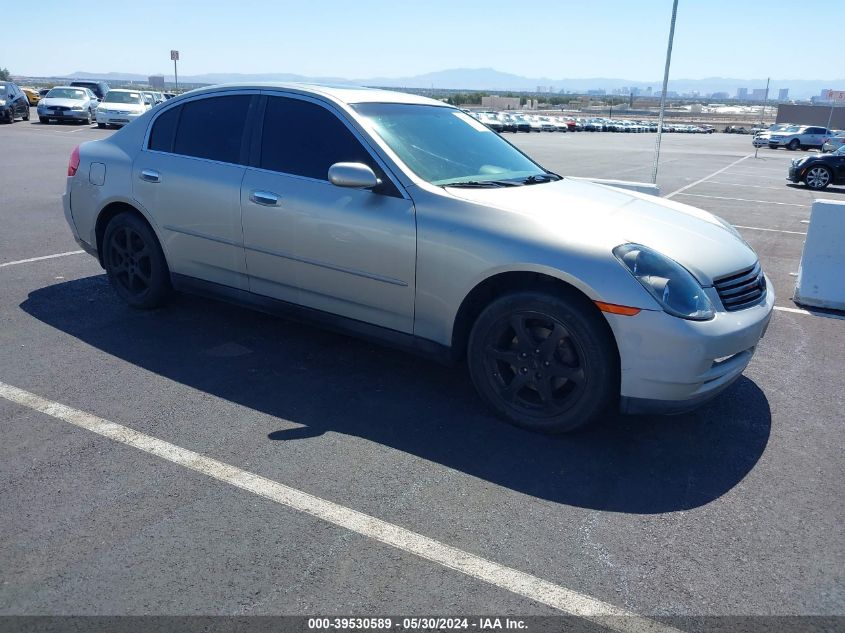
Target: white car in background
{"points": [[800, 137], [68, 103], [121, 107]]}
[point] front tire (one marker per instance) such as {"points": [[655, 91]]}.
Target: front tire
{"points": [[818, 178], [542, 361], [793, 144], [135, 263]]}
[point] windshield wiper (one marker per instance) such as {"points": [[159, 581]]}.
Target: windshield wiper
{"points": [[481, 184], [541, 178]]}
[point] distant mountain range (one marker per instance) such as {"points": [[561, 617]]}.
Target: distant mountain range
{"points": [[494, 80]]}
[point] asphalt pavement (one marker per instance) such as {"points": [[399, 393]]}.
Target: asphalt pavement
{"points": [[732, 510]]}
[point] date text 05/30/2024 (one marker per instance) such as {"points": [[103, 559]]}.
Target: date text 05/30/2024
{"points": [[415, 624]]}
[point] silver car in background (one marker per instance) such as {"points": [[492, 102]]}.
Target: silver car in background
{"points": [[404, 220], [68, 103], [121, 107]]}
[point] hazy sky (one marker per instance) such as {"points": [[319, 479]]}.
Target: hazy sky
{"points": [[371, 38]]}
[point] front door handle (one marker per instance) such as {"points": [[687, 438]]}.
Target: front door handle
{"points": [[264, 198], [150, 175]]}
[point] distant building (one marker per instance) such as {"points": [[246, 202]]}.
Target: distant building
{"points": [[156, 81], [783, 94], [742, 94], [500, 103], [597, 92], [836, 96], [721, 96], [759, 94]]}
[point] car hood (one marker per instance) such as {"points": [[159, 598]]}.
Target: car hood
{"points": [[53, 102], [604, 217]]}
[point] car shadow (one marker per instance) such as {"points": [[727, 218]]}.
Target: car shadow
{"points": [[834, 189], [328, 382]]}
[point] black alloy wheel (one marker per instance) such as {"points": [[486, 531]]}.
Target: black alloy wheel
{"points": [[544, 362], [135, 263], [794, 144]]}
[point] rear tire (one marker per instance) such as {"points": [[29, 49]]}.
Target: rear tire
{"points": [[135, 263], [542, 361]]}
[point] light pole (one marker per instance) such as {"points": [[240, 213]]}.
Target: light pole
{"points": [[663, 96], [174, 55]]}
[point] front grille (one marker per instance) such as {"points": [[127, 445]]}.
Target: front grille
{"points": [[61, 108], [742, 289]]}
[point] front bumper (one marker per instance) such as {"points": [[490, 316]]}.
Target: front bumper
{"points": [[70, 115], [796, 174], [671, 365], [116, 117]]}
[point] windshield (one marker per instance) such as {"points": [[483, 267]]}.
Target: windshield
{"points": [[123, 97], [840, 151], [66, 93], [445, 146]]}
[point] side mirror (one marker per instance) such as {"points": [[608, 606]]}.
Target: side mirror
{"points": [[354, 175]]}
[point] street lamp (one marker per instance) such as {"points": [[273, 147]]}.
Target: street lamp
{"points": [[663, 96]]}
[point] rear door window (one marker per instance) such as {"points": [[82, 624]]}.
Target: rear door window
{"points": [[213, 128]]}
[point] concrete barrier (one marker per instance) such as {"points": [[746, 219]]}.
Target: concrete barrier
{"points": [[821, 275], [642, 187]]}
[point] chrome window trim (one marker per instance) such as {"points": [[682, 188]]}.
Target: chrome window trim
{"points": [[179, 102]]}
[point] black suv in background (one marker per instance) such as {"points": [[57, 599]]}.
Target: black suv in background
{"points": [[13, 102], [99, 88]]}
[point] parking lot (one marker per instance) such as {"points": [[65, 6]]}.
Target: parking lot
{"points": [[732, 510]]}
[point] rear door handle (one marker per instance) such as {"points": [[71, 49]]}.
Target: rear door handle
{"points": [[264, 198], [150, 175]]}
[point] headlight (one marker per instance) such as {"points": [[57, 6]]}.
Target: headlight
{"points": [[77, 108], [672, 285], [2, 102]]}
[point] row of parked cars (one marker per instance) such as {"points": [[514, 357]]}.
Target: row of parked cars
{"points": [[522, 122], [794, 137], [79, 101]]}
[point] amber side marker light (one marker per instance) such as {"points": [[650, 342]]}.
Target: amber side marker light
{"points": [[615, 309]]}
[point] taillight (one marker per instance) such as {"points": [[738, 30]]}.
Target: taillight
{"points": [[73, 165]]}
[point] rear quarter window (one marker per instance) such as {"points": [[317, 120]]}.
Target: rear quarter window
{"points": [[163, 134]]}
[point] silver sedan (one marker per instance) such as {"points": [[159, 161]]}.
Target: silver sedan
{"points": [[404, 220], [68, 103]]}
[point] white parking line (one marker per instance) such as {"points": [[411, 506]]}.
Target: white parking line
{"points": [[742, 184], [698, 182], [757, 228], [520, 583], [828, 315], [38, 259], [786, 204]]}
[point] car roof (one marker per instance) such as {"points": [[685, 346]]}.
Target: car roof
{"points": [[346, 94], [69, 87]]}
